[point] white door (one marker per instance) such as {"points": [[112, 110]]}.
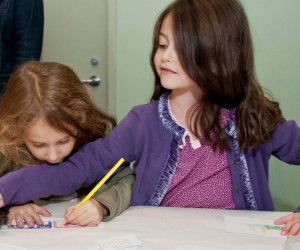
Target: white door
{"points": [[76, 34]]}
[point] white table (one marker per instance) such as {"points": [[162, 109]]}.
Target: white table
{"points": [[156, 227]]}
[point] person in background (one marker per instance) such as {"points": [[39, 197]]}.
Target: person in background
{"points": [[204, 140], [21, 35], [46, 114]]}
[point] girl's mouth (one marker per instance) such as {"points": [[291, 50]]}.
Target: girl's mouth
{"points": [[167, 70]]}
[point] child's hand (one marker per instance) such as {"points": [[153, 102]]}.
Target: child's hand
{"points": [[291, 224], [89, 213], [1, 201], [30, 213]]}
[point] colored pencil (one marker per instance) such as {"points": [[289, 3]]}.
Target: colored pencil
{"points": [[101, 182]]}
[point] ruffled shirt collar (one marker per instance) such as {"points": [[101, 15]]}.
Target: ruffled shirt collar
{"points": [[195, 143], [172, 124]]}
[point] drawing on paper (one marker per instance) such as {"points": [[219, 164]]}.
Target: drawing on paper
{"points": [[53, 223], [262, 228]]}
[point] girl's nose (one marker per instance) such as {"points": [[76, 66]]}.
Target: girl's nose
{"points": [[166, 55], [53, 156]]}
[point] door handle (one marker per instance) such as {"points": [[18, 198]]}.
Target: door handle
{"points": [[94, 81]]}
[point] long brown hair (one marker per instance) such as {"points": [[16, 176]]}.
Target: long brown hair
{"points": [[51, 91], [214, 46]]}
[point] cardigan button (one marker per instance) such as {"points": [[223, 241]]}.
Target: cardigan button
{"points": [[237, 189], [234, 162]]}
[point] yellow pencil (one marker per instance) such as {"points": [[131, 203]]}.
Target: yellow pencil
{"points": [[101, 182]]}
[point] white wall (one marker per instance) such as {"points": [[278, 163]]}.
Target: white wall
{"points": [[134, 81]]}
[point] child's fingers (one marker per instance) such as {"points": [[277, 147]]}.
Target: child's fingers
{"points": [[78, 217], [43, 211], [71, 215], [295, 230], [29, 219], [69, 210], [286, 229], [1, 201], [19, 220], [88, 223], [291, 224], [82, 220], [9, 219], [283, 220], [291, 228], [35, 218]]}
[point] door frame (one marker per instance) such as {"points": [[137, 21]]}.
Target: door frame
{"points": [[111, 55]]}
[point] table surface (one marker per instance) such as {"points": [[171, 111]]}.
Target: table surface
{"points": [[156, 228]]}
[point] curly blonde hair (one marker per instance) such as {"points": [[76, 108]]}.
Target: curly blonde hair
{"points": [[51, 91]]}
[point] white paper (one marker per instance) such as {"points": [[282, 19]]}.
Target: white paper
{"points": [[48, 223], [128, 242], [237, 224]]}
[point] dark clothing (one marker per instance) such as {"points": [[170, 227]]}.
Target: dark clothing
{"points": [[21, 34]]}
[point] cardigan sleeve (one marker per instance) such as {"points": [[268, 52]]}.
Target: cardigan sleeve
{"points": [[286, 142]]}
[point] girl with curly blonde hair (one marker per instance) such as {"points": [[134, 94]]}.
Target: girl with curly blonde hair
{"points": [[46, 114]]}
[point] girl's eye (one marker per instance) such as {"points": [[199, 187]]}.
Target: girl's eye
{"points": [[65, 141], [162, 46], [38, 145]]}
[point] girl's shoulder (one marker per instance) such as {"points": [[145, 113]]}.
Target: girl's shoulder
{"points": [[145, 115], [7, 165], [286, 128], [145, 110], [151, 106]]}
